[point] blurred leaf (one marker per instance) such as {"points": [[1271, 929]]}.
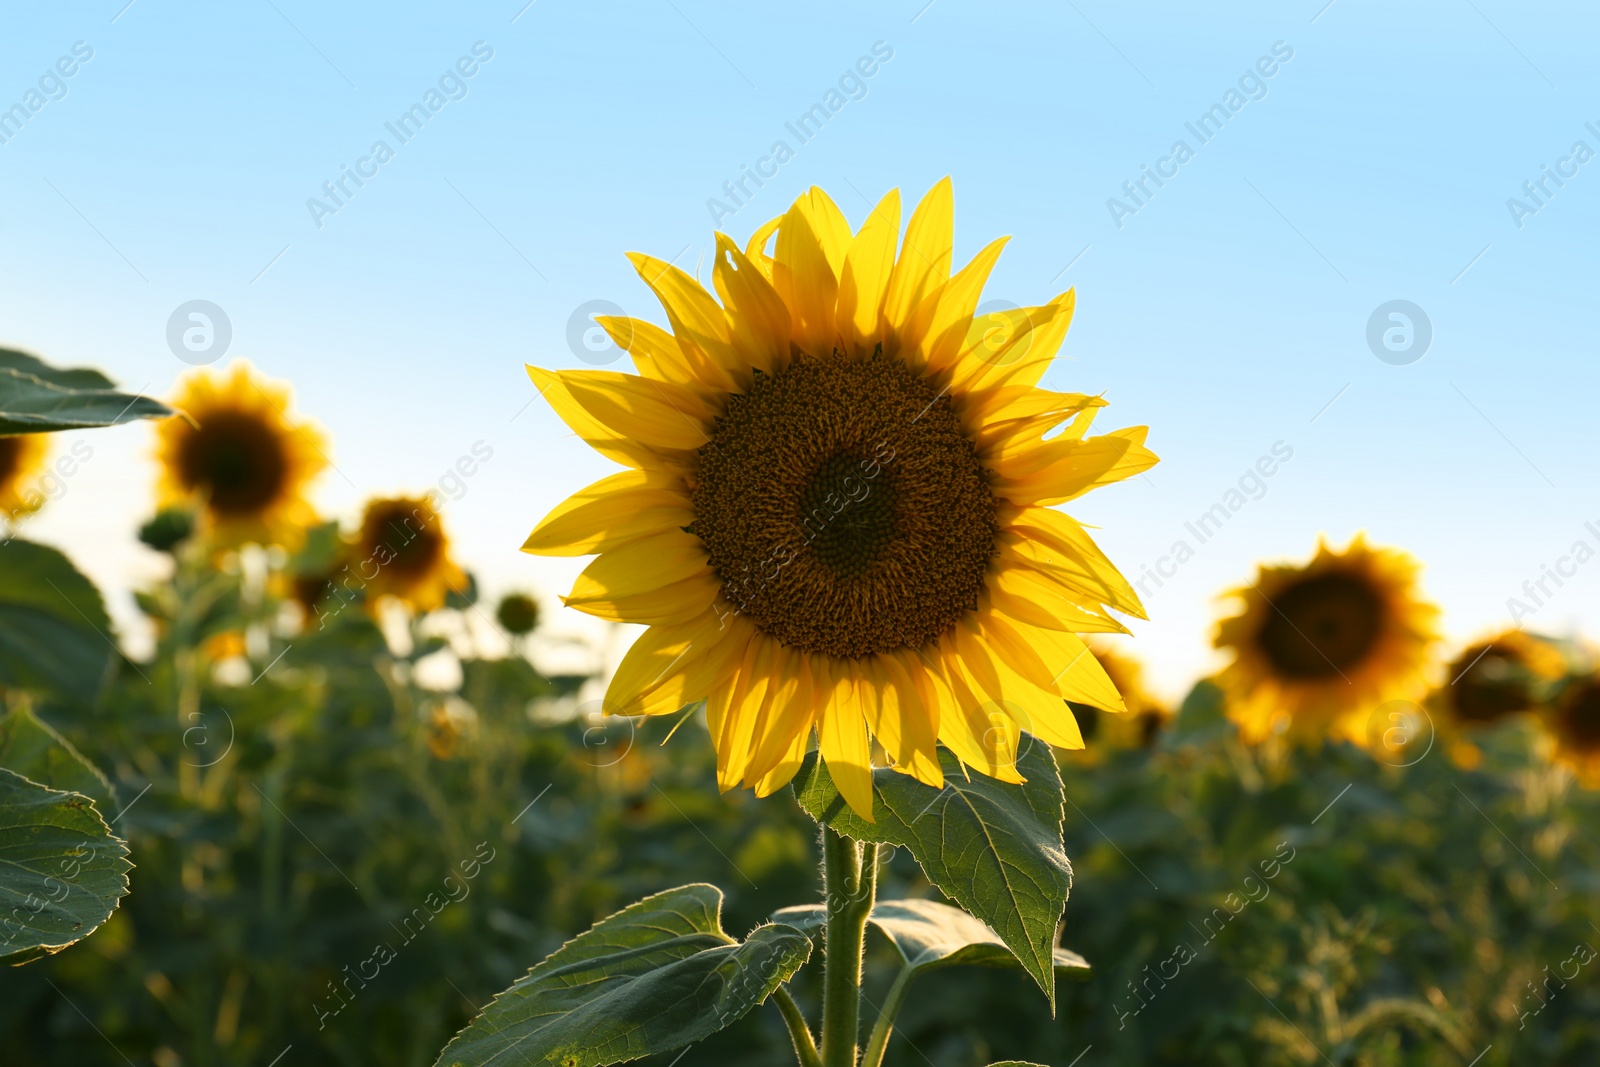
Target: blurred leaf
{"points": [[38, 398], [35, 751], [54, 631], [62, 871], [655, 976], [992, 847], [928, 934]]}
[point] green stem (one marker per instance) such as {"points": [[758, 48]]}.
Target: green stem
{"points": [[805, 1046], [883, 1029], [851, 881]]}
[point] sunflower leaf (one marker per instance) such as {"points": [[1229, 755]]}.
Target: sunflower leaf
{"points": [[38, 398], [928, 934], [35, 751], [992, 847], [62, 871], [54, 631], [655, 976]]}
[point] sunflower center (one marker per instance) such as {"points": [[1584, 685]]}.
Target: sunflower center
{"points": [[844, 508], [1488, 684], [238, 460], [1321, 626], [411, 537], [1580, 718]]}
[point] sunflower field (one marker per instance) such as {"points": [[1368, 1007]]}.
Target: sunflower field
{"points": [[878, 780]]}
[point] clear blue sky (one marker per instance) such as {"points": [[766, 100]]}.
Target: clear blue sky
{"points": [[1229, 312]]}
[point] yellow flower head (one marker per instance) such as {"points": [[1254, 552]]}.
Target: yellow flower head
{"points": [[402, 552], [242, 459], [22, 457], [1574, 721], [1494, 679], [836, 515], [1317, 648]]}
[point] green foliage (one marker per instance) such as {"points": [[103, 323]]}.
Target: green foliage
{"points": [[992, 847], [38, 398], [62, 871], [656, 976], [54, 632], [35, 751]]}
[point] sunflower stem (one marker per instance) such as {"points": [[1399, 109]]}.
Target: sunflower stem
{"points": [[851, 881], [805, 1046], [883, 1029]]}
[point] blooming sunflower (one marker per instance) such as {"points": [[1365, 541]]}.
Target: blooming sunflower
{"points": [[21, 459], [1318, 647], [402, 552], [837, 515], [1499, 677], [240, 457], [1574, 720]]}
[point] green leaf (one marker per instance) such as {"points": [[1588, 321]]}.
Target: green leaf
{"points": [[38, 398], [929, 934], [35, 751], [54, 632], [62, 871], [654, 977], [992, 847]]}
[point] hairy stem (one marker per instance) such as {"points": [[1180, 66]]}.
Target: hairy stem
{"points": [[851, 880], [805, 1046]]}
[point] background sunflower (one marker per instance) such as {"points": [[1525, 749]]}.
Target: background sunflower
{"points": [[1317, 647], [239, 457], [401, 551], [22, 457]]}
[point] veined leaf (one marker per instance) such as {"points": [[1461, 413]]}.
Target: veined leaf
{"points": [[54, 631], [35, 751], [38, 398], [62, 871], [993, 848], [655, 976]]}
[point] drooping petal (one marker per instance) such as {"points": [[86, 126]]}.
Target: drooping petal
{"points": [[669, 667], [907, 728], [980, 734], [620, 508], [843, 741]]}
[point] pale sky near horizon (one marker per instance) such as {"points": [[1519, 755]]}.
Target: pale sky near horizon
{"points": [[1391, 154]]}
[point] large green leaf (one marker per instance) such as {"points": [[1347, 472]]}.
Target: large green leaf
{"points": [[992, 847], [38, 398], [654, 977], [929, 934], [54, 631], [62, 871], [35, 751]]}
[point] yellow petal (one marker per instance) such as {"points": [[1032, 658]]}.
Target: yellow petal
{"points": [[907, 728], [756, 248], [697, 321], [1010, 413], [758, 316], [1019, 354], [659, 415], [924, 263], [1034, 597], [737, 708], [802, 276], [616, 509], [658, 579], [1057, 471], [602, 438], [656, 353], [950, 321], [1055, 662], [1060, 548], [865, 277], [844, 744], [790, 722], [671, 666], [972, 726]]}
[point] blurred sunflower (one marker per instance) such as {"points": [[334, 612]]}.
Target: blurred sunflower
{"points": [[1146, 716], [1499, 677], [21, 459], [242, 459], [1574, 721], [837, 513], [1318, 647], [403, 544]]}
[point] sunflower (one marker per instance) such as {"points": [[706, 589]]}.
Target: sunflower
{"points": [[1146, 716], [836, 515], [241, 458], [402, 552], [1500, 677], [1318, 647], [1574, 720], [21, 459]]}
